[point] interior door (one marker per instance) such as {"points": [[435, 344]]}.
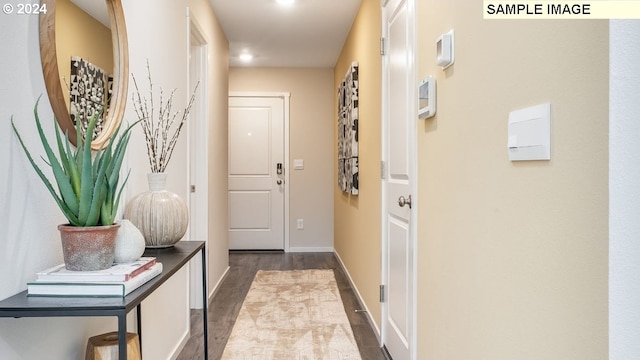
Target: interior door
{"points": [[398, 186], [256, 173]]}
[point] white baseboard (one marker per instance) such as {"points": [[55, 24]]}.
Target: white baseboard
{"points": [[183, 342], [215, 289], [185, 338], [311, 249], [372, 323]]}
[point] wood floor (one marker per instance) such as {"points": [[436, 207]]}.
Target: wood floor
{"points": [[226, 304]]}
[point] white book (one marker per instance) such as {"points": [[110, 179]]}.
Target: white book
{"points": [[93, 289], [118, 272]]}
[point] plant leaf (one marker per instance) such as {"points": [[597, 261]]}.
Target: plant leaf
{"points": [[63, 206], [69, 164], [89, 189]]}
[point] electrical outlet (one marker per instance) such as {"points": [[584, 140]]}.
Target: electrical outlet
{"points": [[300, 224]]}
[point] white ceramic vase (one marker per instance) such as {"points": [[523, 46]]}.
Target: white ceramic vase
{"points": [[130, 243], [161, 215]]}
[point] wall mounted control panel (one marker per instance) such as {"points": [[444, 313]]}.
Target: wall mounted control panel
{"points": [[445, 55], [427, 98]]}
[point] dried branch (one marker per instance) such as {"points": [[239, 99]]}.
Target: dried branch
{"points": [[158, 128]]}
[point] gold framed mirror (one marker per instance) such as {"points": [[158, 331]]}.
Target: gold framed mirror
{"points": [[57, 87]]}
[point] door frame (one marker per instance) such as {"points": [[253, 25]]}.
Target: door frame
{"points": [[197, 135], [285, 96], [411, 21], [197, 46]]}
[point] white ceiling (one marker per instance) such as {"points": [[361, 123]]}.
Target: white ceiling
{"points": [[310, 33], [97, 9]]}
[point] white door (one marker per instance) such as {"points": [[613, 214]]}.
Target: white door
{"points": [[256, 173], [399, 191]]}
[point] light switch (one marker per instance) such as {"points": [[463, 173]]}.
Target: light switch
{"points": [[529, 135], [298, 164]]}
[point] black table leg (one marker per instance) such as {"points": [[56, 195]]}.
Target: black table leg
{"points": [[204, 304], [139, 321], [122, 336]]}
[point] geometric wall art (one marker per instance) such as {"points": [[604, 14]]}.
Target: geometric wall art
{"points": [[348, 132], [87, 91]]}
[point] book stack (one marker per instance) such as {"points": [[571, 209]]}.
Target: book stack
{"points": [[117, 281]]}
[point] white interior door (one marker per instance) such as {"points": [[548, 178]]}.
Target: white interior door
{"points": [[256, 185], [399, 191]]}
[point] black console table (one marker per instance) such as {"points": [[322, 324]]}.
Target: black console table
{"points": [[172, 259]]}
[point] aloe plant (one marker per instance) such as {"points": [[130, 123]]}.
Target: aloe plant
{"points": [[87, 183]]}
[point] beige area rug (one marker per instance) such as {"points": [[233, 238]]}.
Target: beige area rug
{"points": [[292, 315]]}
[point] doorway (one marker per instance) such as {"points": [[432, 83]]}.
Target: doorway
{"points": [[258, 171]]}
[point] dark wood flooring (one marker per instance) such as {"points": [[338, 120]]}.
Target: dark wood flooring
{"points": [[225, 306]]}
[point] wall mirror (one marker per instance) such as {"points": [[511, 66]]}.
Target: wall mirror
{"points": [[84, 52]]}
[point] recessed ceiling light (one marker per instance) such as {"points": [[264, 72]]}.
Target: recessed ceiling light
{"points": [[285, 2], [246, 57]]}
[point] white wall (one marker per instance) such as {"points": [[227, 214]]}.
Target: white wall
{"points": [[157, 31], [30, 241], [624, 190]]}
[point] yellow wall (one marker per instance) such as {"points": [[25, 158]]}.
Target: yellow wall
{"points": [[79, 34], [513, 256], [310, 129], [357, 218]]}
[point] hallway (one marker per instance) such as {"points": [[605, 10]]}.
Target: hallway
{"points": [[226, 304]]}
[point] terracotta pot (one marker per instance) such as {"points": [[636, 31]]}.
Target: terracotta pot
{"points": [[88, 248]]}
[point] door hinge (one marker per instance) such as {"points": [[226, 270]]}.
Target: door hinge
{"points": [[192, 188], [382, 172], [383, 49], [382, 298]]}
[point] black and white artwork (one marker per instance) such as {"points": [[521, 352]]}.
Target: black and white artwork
{"points": [[348, 132], [87, 92]]}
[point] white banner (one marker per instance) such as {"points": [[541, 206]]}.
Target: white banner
{"points": [[597, 9]]}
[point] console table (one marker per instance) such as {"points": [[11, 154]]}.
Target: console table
{"points": [[172, 259]]}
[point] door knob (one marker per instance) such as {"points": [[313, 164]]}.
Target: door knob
{"points": [[402, 201], [279, 181]]}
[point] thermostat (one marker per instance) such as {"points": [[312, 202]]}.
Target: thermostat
{"points": [[444, 50], [427, 98]]}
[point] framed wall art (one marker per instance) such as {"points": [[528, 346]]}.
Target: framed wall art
{"points": [[348, 132], [87, 92]]}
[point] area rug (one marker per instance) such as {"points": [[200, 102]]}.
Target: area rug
{"points": [[292, 315]]}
